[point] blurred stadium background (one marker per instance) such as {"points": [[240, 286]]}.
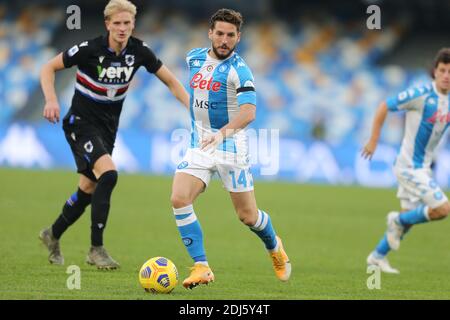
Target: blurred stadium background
{"points": [[319, 72]]}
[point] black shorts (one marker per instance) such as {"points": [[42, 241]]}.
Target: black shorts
{"points": [[88, 144]]}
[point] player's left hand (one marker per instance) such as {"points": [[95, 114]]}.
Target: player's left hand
{"points": [[368, 150], [210, 143]]}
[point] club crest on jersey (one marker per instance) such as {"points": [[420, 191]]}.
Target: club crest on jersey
{"points": [[223, 68], [129, 59]]}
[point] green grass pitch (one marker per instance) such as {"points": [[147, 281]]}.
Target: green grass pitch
{"points": [[327, 231]]}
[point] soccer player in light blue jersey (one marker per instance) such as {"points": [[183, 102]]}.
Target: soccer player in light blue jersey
{"points": [[427, 118], [222, 104]]}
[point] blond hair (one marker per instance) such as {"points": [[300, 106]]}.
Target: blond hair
{"points": [[115, 6]]}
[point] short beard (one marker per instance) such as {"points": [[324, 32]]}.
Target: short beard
{"points": [[221, 56]]}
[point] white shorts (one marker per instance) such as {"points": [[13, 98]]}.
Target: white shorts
{"points": [[234, 171], [417, 186]]}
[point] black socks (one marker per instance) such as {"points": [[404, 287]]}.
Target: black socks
{"points": [[72, 210], [100, 205], [77, 203]]}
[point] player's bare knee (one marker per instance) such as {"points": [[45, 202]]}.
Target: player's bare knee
{"points": [[247, 221], [440, 212], [247, 216], [179, 201], [87, 186]]}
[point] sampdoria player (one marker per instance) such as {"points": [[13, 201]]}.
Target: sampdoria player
{"points": [[106, 66]]}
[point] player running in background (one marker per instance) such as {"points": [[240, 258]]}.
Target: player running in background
{"points": [[222, 104], [106, 66], [427, 118]]}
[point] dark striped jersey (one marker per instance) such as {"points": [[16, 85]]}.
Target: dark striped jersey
{"points": [[103, 78]]}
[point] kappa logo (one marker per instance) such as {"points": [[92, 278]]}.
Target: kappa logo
{"points": [[421, 90], [196, 63], [406, 94], [249, 83], [88, 146], [72, 51]]}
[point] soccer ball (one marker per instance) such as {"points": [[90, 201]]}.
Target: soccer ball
{"points": [[158, 275]]}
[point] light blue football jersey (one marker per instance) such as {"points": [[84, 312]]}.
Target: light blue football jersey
{"points": [[427, 118], [217, 89]]}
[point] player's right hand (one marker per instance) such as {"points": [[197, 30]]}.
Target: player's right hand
{"points": [[51, 111], [210, 143], [368, 150]]}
